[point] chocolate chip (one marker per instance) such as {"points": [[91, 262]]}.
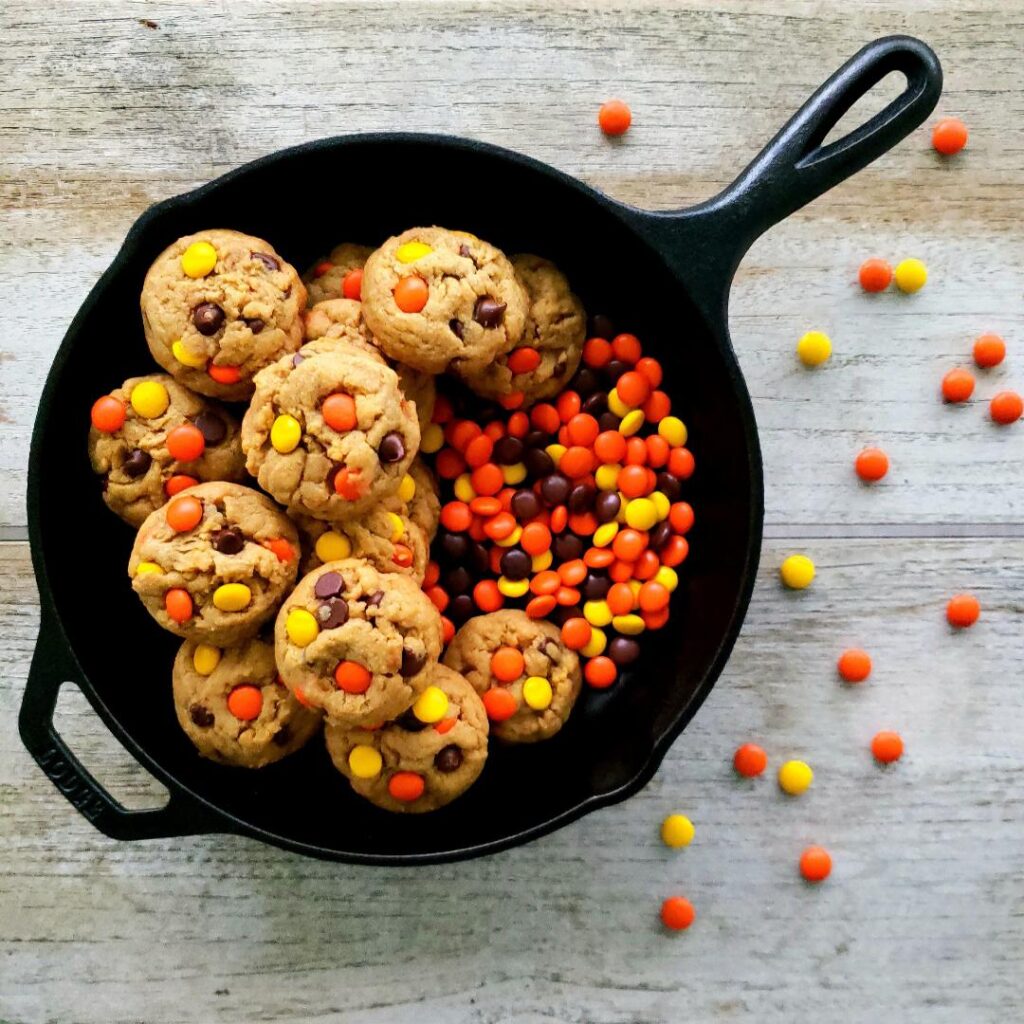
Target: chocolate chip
{"points": [[508, 451], [595, 404], [586, 382], [659, 536], [669, 485], [409, 722], [330, 584], [333, 472], [455, 545], [374, 600], [297, 359], [525, 505], [567, 547], [332, 613], [448, 759], [464, 250], [535, 439], [538, 462], [623, 651], [554, 489], [479, 559], [489, 312], [201, 716], [461, 608], [208, 318], [581, 498], [615, 369], [516, 564], [136, 463], [602, 327], [595, 588], [228, 541], [458, 580], [455, 326], [413, 662], [391, 448], [559, 368], [270, 262], [281, 737], [255, 324], [608, 421], [606, 507], [212, 427]]}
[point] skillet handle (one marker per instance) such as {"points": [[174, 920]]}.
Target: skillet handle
{"points": [[52, 665], [706, 243]]}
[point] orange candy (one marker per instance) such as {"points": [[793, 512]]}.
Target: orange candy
{"points": [[854, 665], [443, 410], [597, 352], [872, 464], [677, 913], [535, 539], [339, 411], [576, 462], [545, 582], [447, 630], [281, 548], [674, 551], [655, 620], [495, 430], [599, 558], [178, 604], [545, 417], [750, 760], [654, 597], [875, 275], [518, 424], [568, 405], [651, 369], [446, 725], [179, 482], [507, 664], [449, 464], [620, 598], [456, 516], [184, 513], [185, 443], [460, 432], [245, 702], [524, 360], [500, 526], [636, 451], [478, 452], [224, 374], [348, 485], [887, 747], [406, 786], [633, 481], [487, 479], [626, 347], [620, 572], [512, 400], [583, 429], [628, 544], [600, 672], [963, 610], [1006, 407], [499, 704], [949, 136], [647, 565], [633, 388], [402, 556], [352, 284], [438, 597], [658, 450], [485, 506], [108, 414], [681, 463], [958, 385], [989, 350], [657, 407], [411, 294], [610, 446], [583, 523], [432, 575], [540, 607], [576, 633], [815, 864], [572, 573], [680, 517], [614, 117], [352, 677]]}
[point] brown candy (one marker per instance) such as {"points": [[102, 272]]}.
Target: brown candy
{"points": [[255, 324], [208, 318], [201, 716], [448, 759], [455, 326], [267, 260], [332, 613], [228, 541], [391, 449], [212, 427], [413, 662], [330, 584], [136, 463], [489, 312]]}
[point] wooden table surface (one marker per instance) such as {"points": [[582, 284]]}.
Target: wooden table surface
{"points": [[107, 107]]}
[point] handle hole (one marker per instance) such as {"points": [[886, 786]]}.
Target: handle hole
{"points": [[102, 756], [874, 101]]}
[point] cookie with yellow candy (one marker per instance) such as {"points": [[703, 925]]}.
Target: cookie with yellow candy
{"points": [[217, 307], [233, 707], [431, 754]]}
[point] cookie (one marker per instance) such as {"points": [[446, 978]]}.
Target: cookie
{"points": [[217, 307], [233, 707], [342, 319], [328, 433], [425, 758], [507, 655], [355, 641], [419, 498], [549, 352], [326, 278], [157, 438], [437, 299], [389, 541], [214, 563]]}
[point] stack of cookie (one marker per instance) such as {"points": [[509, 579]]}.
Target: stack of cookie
{"points": [[339, 391]]}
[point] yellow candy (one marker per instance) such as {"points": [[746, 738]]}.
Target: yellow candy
{"points": [[677, 830], [232, 597], [814, 348], [407, 488], [596, 644], [616, 404], [301, 627], [512, 538], [410, 252], [597, 613], [431, 705], [512, 588], [205, 658], [623, 502], [667, 577], [628, 625], [397, 526], [285, 434], [537, 693], [464, 488], [641, 514], [673, 429], [795, 777], [542, 561], [199, 259], [514, 474], [150, 399], [605, 534], [556, 451], [607, 476], [186, 357], [661, 505], [797, 571], [331, 546], [634, 585], [631, 423], [432, 439], [365, 762], [910, 275], [147, 567]]}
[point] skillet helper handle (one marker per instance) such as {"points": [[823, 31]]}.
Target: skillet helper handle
{"points": [[52, 665]]}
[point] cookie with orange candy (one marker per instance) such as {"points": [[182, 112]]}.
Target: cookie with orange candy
{"points": [[354, 641], [425, 758], [152, 437], [339, 275], [214, 563], [234, 708], [527, 677], [436, 299]]}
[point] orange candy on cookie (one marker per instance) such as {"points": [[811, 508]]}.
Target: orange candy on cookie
{"points": [[339, 412], [411, 294], [185, 443], [108, 414], [184, 513]]}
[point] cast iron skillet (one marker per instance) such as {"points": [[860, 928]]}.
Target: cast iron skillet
{"points": [[665, 276]]}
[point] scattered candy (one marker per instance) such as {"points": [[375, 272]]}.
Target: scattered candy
{"points": [[875, 275], [989, 350], [814, 348], [872, 464], [887, 747], [949, 136], [958, 385], [677, 913], [963, 610], [815, 864], [677, 830], [910, 275], [750, 760], [854, 665], [1006, 407], [614, 117], [797, 572], [795, 777]]}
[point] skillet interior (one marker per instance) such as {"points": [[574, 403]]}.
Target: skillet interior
{"points": [[383, 184]]}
